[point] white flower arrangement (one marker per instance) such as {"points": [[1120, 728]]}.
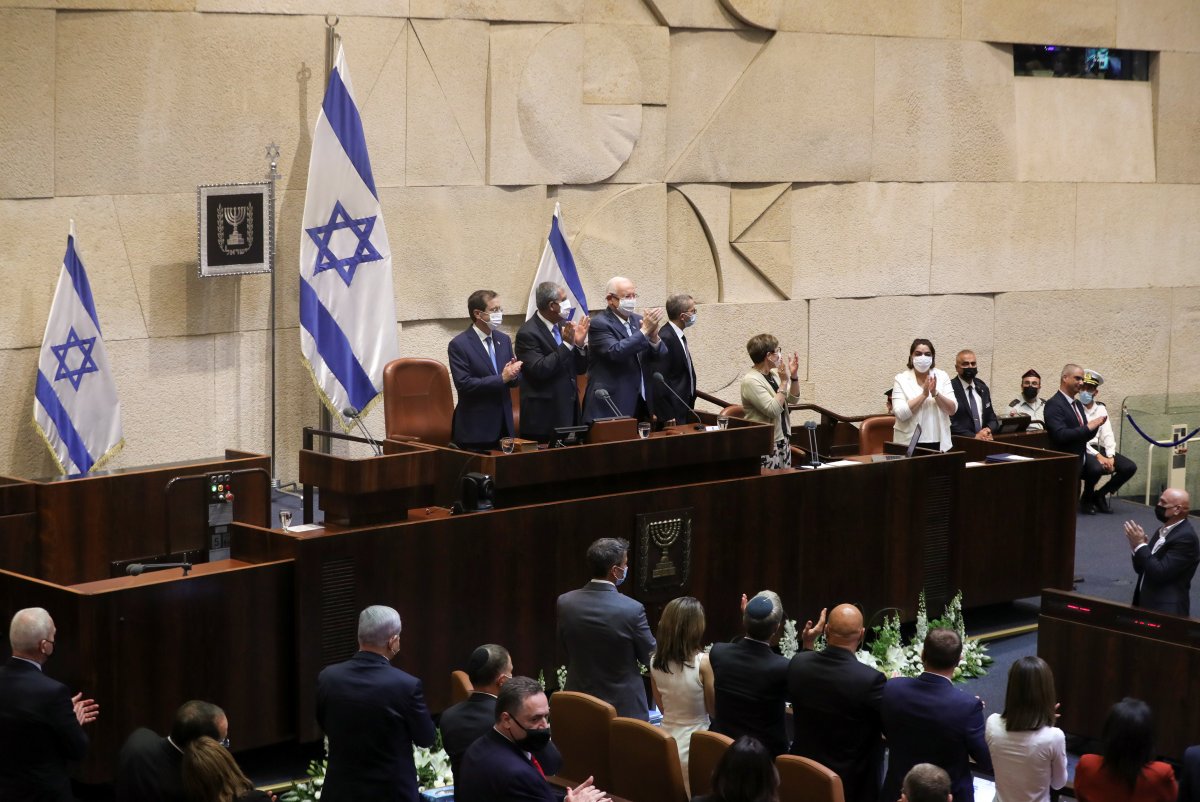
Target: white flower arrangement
{"points": [[433, 771]]}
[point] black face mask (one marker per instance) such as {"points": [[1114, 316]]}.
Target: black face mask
{"points": [[1029, 393], [534, 740], [1160, 512], [969, 374]]}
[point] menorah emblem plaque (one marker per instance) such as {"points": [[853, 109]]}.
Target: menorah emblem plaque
{"points": [[235, 244], [664, 549]]}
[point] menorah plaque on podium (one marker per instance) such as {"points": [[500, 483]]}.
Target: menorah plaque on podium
{"points": [[664, 550]]}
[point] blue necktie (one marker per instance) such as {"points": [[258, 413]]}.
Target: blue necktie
{"points": [[557, 334], [491, 353]]}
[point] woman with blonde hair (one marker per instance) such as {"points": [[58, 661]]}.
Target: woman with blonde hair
{"points": [[680, 674], [210, 774], [767, 390]]}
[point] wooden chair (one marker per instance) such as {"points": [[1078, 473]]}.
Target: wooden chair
{"points": [[705, 752], [644, 763], [460, 687], [804, 780], [417, 401], [874, 432], [581, 733]]}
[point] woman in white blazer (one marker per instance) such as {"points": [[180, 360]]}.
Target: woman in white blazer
{"points": [[922, 394], [764, 398]]}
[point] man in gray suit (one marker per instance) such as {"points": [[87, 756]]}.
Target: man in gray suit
{"points": [[605, 634]]}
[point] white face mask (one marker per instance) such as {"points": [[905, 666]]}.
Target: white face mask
{"points": [[923, 363], [564, 308], [628, 304], [495, 319]]}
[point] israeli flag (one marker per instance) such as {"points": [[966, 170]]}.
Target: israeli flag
{"points": [[75, 406], [558, 265], [347, 307]]}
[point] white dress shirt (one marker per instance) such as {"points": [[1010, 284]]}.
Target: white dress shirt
{"points": [[1026, 764], [935, 424]]}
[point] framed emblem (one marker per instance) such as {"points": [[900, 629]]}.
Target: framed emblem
{"points": [[664, 549], [235, 228]]}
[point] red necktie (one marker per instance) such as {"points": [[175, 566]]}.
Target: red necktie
{"points": [[537, 765], [1075, 409]]}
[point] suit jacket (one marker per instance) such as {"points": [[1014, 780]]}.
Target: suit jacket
{"points": [[495, 769], [149, 769], [605, 636], [1165, 578], [466, 722], [373, 714], [927, 720], [960, 421], [680, 375], [1066, 434], [549, 390], [750, 681], [39, 735], [484, 412], [618, 362], [835, 705]]}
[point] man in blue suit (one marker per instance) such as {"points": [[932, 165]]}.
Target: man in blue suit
{"points": [[1067, 422], [927, 720], [621, 351], [373, 715], [502, 766], [552, 348], [483, 367]]}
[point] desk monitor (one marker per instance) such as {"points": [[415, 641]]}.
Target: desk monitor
{"points": [[1013, 423], [912, 444], [568, 436]]}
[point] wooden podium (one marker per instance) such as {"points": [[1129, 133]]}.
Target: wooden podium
{"points": [[371, 490]]}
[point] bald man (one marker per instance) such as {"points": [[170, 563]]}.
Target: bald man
{"points": [[1166, 562], [835, 700]]}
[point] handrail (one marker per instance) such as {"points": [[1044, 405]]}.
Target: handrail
{"points": [[712, 399], [834, 415]]}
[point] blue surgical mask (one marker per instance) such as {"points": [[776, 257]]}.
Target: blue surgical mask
{"points": [[628, 305], [691, 321], [495, 319], [621, 581], [1087, 398]]}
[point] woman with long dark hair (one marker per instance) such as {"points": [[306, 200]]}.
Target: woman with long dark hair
{"points": [[1127, 771], [680, 674], [1029, 754], [746, 773], [210, 774]]}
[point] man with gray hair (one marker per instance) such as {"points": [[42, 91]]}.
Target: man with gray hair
{"points": [[552, 348], [373, 715], [150, 767], [41, 723], [625, 346]]}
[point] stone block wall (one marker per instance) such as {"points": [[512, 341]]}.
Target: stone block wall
{"points": [[847, 176]]}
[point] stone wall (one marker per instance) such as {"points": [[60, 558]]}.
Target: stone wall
{"points": [[846, 175]]}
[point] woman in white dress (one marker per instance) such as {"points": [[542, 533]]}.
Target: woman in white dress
{"points": [[680, 674], [1029, 754], [922, 395]]}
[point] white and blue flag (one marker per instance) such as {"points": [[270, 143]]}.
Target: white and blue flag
{"points": [[347, 307], [558, 265], [75, 406]]}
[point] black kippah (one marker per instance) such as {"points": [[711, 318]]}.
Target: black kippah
{"points": [[477, 660], [759, 607]]}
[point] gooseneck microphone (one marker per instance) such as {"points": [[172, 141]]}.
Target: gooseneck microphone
{"points": [[356, 416], [658, 377], [137, 569], [814, 457], [604, 396]]}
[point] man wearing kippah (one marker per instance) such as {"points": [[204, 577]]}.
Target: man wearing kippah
{"points": [[1029, 403]]}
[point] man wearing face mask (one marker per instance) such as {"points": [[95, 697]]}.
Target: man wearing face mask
{"points": [[1029, 403], [484, 368], [624, 349], [974, 416], [1101, 458], [605, 634], [553, 352], [676, 367], [835, 701], [503, 765], [1166, 562]]}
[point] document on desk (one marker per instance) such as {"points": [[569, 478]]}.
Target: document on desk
{"points": [[839, 463]]}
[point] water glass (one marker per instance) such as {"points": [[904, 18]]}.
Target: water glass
{"points": [[507, 444], [722, 422], [643, 430], [285, 519]]}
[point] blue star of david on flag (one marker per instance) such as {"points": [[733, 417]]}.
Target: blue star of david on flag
{"points": [[87, 365], [364, 251]]}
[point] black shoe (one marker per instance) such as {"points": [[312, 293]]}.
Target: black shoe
{"points": [[1087, 508], [1102, 504]]}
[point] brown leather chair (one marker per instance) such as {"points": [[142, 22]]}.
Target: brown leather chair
{"points": [[515, 394], [417, 400], [460, 687], [581, 724], [804, 780], [644, 762], [874, 432], [734, 411], [705, 752]]}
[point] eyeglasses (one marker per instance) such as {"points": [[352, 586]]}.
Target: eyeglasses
{"points": [[225, 742]]}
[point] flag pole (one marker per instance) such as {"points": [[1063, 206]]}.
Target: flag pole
{"points": [[273, 177], [332, 39]]}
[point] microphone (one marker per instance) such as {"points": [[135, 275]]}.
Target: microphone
{"points": [[604, 396], [136, 569], [658, 377], [815, 458], [354, 415]]}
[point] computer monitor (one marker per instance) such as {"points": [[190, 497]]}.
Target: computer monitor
{"points": [[912, 443]]}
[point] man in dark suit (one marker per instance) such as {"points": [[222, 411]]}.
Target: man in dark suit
{"points": [[676, 365], [149, 766], [1067, 423], [927, 720], [605, 634], [502, 766], [483, 367], [373, 715], [974, 416], [622, 352], [489, 669], [1166, 563], [835, 702], [41, 723], [552, 351], [750, 679]]}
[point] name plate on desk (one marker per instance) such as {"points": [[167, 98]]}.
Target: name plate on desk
{"points": [[664, 547]]}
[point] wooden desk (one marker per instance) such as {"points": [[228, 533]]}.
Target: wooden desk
{"points": [[1102, 651]]}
